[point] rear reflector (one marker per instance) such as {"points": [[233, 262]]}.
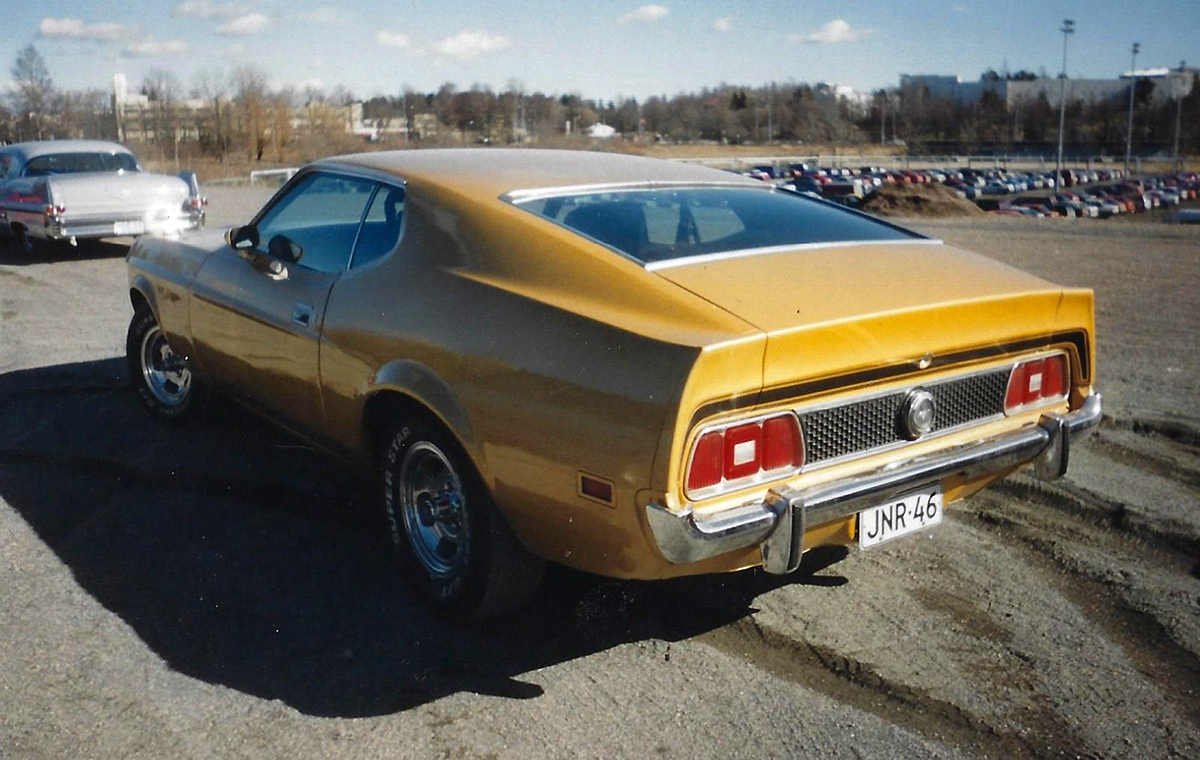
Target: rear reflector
{"points": [[596, 488], [1036, 382]]}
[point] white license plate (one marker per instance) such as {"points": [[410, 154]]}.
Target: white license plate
{"points": [[910, 513], [129, 228]]}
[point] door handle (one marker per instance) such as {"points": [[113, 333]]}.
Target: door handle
{"points": [[303, 315]]}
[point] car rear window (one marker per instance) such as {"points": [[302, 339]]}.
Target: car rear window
{"points": [[663, 224], [73, 163]]}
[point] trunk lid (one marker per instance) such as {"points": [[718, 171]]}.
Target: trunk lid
{"points": [[118, 194], [837, 309]]}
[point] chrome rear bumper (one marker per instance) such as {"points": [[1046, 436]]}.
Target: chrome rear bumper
{"points": [[779, 521]]}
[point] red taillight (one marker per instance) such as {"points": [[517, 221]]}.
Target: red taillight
{"points": [[1054, 380], [745, 450], [782, 444], [708, 462], [1036, 381]]}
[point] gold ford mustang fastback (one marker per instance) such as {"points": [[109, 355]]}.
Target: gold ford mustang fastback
{"points": [[633, 367]]}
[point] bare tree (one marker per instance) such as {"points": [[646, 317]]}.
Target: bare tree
{"points": [[33, 94], [250, 94], [212, 123], [163, 90], [8, 125], [85, 114], [340, 96]]}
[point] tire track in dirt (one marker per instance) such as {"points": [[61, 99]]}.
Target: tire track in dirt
{"points": [[1093, 509], [1158, 464], [857, 684], [1171, 667]]}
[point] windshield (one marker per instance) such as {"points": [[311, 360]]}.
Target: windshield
{"points": [[73, 163], [664, 224]]}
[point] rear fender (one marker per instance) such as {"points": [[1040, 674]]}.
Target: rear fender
{"points": [[423, 385]]}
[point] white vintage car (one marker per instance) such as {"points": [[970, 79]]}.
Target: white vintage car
{"points": [[69, 190]]}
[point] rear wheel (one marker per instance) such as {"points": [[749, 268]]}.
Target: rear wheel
{"points": [[451, 541], [160, 377], [30, 246]]}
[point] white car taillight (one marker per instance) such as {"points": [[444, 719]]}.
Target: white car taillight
{"points": [[743, 453], [1036, 382]]}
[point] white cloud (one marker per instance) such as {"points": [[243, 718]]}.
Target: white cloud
{"points": [[644, 15], [392, 39], [723, 24], [248, 23], [327, 15], [834, 32], [469, 45], [73, 28], [154, 49], [207, 9]]}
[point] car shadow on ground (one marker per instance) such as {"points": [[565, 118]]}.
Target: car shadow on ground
{"points": [[244, 558], [12, 254]]}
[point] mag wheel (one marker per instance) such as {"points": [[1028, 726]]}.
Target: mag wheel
{"points": [[160, 377], [452, 542]]}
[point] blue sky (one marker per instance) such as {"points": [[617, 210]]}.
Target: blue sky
{"points": [[600, 49]]}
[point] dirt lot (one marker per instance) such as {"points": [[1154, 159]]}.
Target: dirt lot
{"points": [[224, 593]]}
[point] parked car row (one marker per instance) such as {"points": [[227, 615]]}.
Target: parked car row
{"points": [[987, 187], [1103, 201]]}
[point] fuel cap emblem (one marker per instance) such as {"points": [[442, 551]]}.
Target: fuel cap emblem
{"points": [[917, 413]]}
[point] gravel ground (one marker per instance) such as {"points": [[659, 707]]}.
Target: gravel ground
{"points": [[224, 593]]}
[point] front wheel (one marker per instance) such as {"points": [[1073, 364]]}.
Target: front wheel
{"points": [[160, 377], [451, 541]]}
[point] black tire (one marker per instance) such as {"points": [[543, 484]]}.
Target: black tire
{"points": [[164, 385], [455, 548], [30, 246]]}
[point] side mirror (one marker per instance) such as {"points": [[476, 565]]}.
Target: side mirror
{"points": [[242, 238], [285, 249]]}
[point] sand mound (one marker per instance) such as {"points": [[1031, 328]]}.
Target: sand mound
{"points": [[931, 200]]}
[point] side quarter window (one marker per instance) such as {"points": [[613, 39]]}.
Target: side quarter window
{"points": [[381, 227], [321, 213]]}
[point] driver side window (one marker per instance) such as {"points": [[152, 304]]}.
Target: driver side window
{"points": [[321, 213]]}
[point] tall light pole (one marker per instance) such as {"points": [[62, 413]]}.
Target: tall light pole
{"points": [[1068, 28], [1132, 87], [1178, 113]]}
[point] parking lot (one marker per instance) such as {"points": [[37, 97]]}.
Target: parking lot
{"points": [[225, 591]]}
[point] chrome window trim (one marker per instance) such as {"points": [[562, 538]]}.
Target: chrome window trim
{"points": [[525, 195], [377, 176], [707, 258]]}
